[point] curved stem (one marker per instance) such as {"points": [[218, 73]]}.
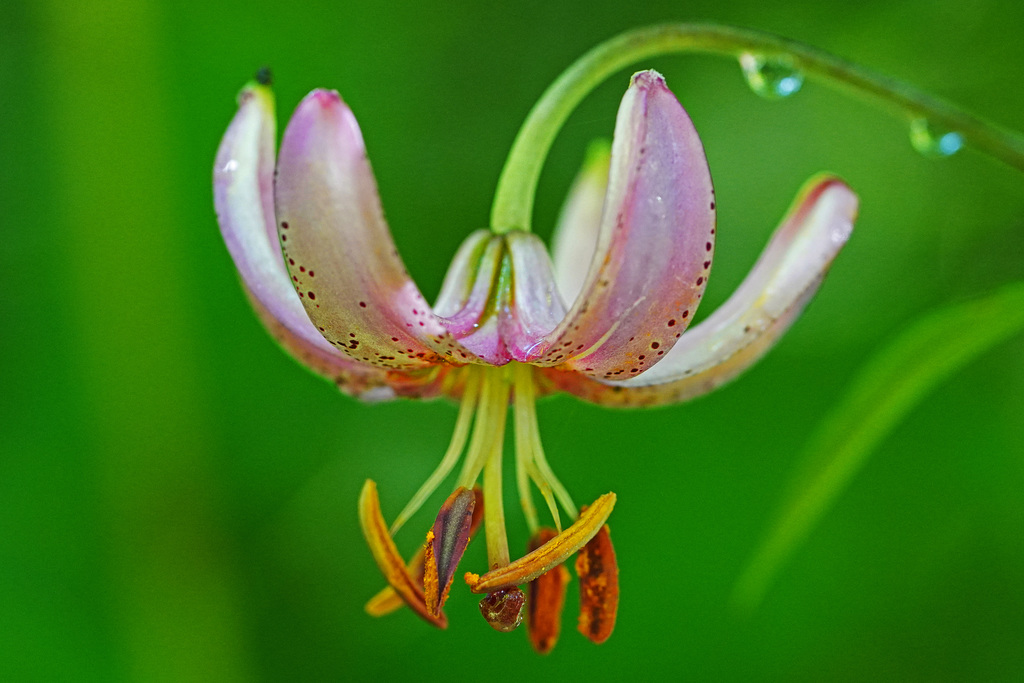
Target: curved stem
{"points": [[513, 200]]}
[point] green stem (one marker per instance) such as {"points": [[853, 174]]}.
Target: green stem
{"points": [[513, 200]]}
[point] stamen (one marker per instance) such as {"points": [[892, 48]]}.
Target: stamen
{"points": [[494, 517], [546, 597], [524, 458], [466, 409], [490, 418], [528, 443], [542, 463], [599, 587], [551, 554], [387, 600], [387, 558], [446, 542], [545, 489], [485, 448]]}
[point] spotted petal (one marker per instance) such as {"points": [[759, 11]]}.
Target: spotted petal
{"points": [[654, 247], [243, 198], [337, 246], [745, 327]]}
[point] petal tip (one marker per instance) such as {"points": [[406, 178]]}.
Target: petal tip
{"points": [[323, 97], [256, 90], [828, 188], [647, 79]]}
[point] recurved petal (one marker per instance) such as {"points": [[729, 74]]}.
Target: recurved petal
{"points": [[655, 244], [769, 300], [535, 307], [464, 306], [461, 277], [365, 382], [337, 247], [243, 179], [575, 238]]}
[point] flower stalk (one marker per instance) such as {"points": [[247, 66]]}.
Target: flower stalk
{"points": [[513, 200]]}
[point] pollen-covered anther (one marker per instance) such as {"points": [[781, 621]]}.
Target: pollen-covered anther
{"points": [[386, 555], [446, 542], [599, 587], [550, 555], [387, 600], [545, 600]]}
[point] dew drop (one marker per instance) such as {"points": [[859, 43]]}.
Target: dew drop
{"points": [[932, 141], [773, 78]]}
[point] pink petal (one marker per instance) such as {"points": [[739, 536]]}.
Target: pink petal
{"points": [[337, 246], [243, 197], [363, 381], [465, 307], [655, 243], [745, 327], [534, 307], [576, 234]]}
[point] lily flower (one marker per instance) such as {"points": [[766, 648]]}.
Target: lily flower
{"points": [[604, 321]]}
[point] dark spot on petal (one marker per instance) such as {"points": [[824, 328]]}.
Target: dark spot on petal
{"points": [[362, 304], [700, 280], [707, 246], [284, 224], [655, 345], [311, 295], [672, 323]]}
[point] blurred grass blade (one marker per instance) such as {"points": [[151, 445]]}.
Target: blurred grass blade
{"points": [[899, 377]]}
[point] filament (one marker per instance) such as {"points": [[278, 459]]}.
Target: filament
{"points": [[466, 409]]}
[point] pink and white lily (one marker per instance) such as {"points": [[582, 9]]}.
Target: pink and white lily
{"points": [[604, 321]]}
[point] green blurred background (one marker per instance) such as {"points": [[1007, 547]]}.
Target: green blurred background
{"points": [[177, 497]]}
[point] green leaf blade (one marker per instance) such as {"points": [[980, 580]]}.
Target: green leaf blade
{"points": [[893, 382]]}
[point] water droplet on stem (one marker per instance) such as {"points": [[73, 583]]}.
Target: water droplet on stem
{"points": [[773, 78], [932, 141]]}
